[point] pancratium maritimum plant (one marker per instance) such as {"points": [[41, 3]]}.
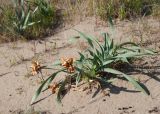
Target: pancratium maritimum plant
{"points": [[95, 63]]}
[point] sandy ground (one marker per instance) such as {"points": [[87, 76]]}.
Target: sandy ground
{"points": [[17, 86]]}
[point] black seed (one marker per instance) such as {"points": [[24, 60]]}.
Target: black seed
{"points": [[119, 108], [133, 110], [125, 108]]}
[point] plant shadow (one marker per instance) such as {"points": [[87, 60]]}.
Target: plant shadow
{"points": [[113, 89], [152, 72]]}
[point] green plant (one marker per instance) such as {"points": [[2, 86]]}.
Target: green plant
{"points": [[122, 12], [44, 7], [27, 19], [95, 64], [6, 24], [22, 19], [124, 9], [45, 14]]}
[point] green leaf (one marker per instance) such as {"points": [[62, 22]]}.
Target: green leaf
{"points": [[26, 20], [95, 58], [35, 9], [149, 52], [89, 40], [23, 14], [38, 91], [52, 77], [107, 62], [43, 86], [30, 24], [22, 2], [124, 59], [82, 57], [101, 80], [110, 21], [127, 43], [105, 41], [129, 55], [102, 49], [56, 63], [130, 79], [61, 88], [78, 78], [104, 64]]}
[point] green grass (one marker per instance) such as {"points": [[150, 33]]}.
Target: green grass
{"points": [[108, 8], [27, 19], [125, 9], [37, 18], [46, 17]]}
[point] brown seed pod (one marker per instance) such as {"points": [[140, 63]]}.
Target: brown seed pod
{"points": [[36, 67], [53, 87]]}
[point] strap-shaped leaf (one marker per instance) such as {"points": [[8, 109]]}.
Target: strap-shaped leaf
{"points": [[61, 88], [32, 23], [35, 9], [104, 64], [22, 2], [56, 63], [105, 35], [89, 40], [96, 58], [130, 79], [78, 78], [39, 90], [107, 62], [52, 77], [26, 20], [82, 57], [129, 55], [43, 86], [128, 43]]}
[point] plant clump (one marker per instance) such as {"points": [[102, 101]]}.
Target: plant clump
{"points": [[97, 66], [27, 19], [125, 9]]}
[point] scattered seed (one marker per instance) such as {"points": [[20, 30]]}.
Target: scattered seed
{"points": [[125, 108], [155, 109], [133, 110], [119, 108]]}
